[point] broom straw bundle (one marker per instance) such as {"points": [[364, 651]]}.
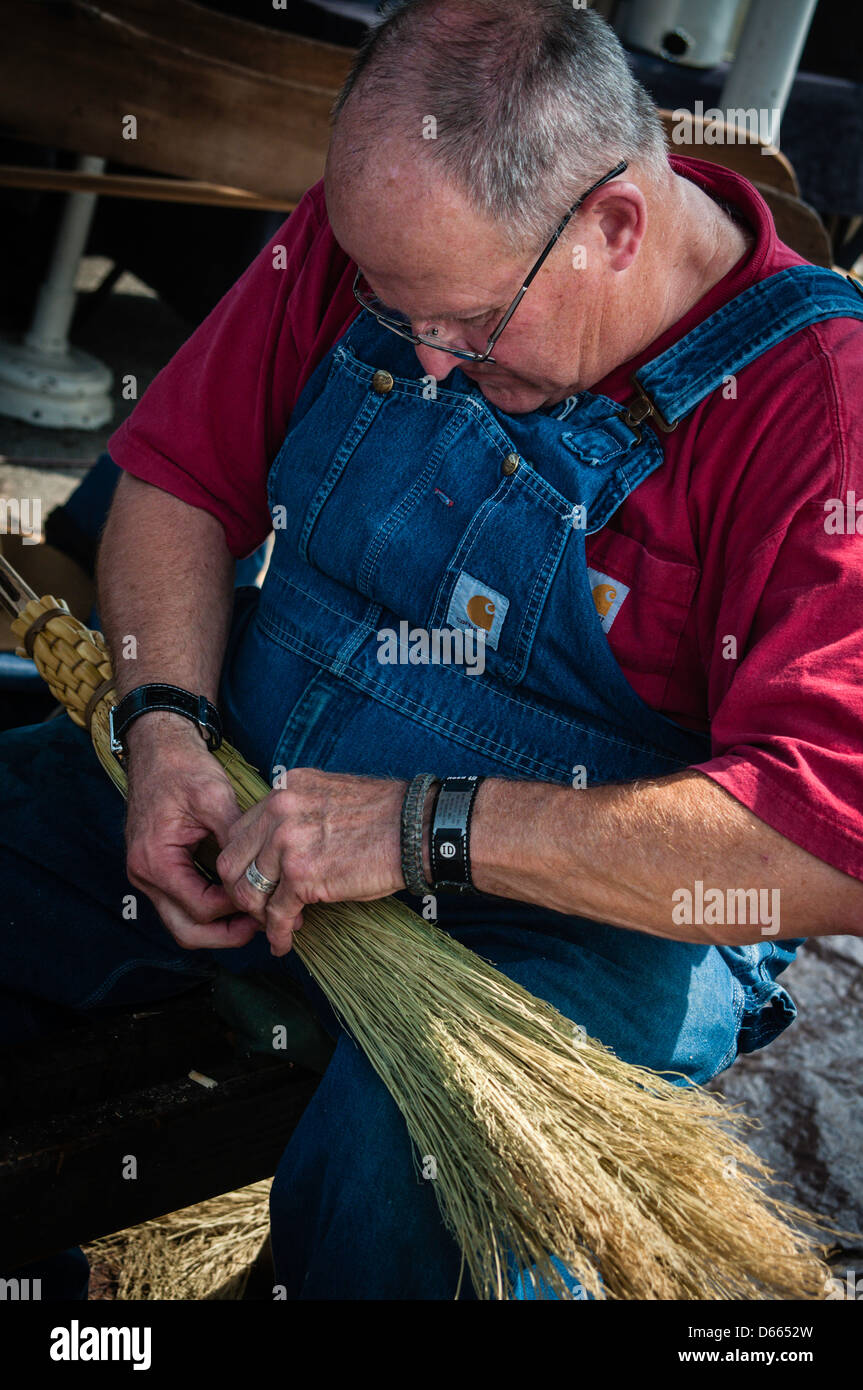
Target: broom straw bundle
{"points": [[546, 1151]]}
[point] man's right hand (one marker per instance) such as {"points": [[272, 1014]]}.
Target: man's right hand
{"points": [[178, 794]]}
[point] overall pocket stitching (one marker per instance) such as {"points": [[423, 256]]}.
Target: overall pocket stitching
{"points": [[285, 638], [275, 469], [526, 479], [303, 720], [456, 562], [350, 442], [471, 405], [405, 506], [322, 603], [570, 437], [535, 602], [437, 721]]}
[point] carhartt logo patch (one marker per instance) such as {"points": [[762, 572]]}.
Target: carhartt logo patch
{"points": [[608, 595], [475, 605]]}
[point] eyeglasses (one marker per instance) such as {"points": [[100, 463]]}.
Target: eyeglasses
{"points": [[400, 324]]}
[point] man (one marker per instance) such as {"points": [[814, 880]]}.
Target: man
{"points": [[667, 723]]}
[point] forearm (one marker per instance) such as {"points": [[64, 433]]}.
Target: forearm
{"points": [[622, 854], [165, 581]]}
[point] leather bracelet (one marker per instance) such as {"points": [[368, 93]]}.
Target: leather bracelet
{"points": [[413, 814], [450, 835], [171, 698]]}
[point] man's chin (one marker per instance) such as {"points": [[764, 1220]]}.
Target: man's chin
{"points": [[515, 398]]}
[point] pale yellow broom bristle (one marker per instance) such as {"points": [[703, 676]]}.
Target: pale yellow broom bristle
{"points": [[546, 1144], [201, 1252]]}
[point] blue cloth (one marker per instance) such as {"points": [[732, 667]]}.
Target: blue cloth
{"points": [[389, 506], [85, 512], [60, 1278], [87, 507]]}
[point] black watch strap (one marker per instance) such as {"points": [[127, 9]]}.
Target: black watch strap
{"points": [[172, 698], [450, 834]]}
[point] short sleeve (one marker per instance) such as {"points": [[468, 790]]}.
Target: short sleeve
{"points": [[787, 725], [211, 423]]}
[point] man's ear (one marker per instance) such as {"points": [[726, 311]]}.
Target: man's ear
{"points": [[619, 212]]}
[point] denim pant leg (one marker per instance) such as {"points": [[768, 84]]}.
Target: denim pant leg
{"points": [[351, 1215], [67, 936], [65, 941]]}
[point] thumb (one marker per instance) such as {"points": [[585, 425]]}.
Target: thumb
{"points": [[217, 809]]}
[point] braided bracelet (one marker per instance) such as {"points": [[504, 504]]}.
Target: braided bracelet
{"points": [[413, 813]]}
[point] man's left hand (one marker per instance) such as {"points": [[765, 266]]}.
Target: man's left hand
{"points": [[325, 837]]}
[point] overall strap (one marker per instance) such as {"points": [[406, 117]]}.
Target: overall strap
{"points": [[676, 381]]}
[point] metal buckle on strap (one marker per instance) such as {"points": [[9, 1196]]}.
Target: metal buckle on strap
{"points": [[114, 743], [643, 407]]}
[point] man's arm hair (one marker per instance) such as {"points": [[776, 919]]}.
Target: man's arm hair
{"points": [[165, 584]]}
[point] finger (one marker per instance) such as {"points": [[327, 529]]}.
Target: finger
{"points": [[243, 840], [216, 809], [245, 895], [281, 938], [173, 875], [227, 932], [284, 917]]}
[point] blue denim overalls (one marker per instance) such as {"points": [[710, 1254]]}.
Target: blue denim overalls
{"points": [[390, 505], [394, 505], [400, 507]]}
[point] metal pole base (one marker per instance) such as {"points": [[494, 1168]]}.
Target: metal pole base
{"points": [[68, 390]]}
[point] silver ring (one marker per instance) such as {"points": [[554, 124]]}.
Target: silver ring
{"points": [[259, 880]]}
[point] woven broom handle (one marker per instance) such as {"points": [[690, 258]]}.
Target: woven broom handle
{"points": [[75, 662], [72, 659]]}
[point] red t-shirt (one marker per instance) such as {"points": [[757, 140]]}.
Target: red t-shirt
{"points": [[744, 598]]}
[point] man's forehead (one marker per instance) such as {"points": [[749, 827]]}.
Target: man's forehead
{"points": [[416, 238], [437, 285]]}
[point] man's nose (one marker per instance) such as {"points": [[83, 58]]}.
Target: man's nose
{"points": [[435, 362]]}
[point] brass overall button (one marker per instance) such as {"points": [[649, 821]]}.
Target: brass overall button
{"points": [[510, 464], [382, 382]]}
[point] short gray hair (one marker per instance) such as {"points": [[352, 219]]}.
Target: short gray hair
{"points": [[533, 101]]}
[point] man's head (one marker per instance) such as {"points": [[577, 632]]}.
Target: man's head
{"points": [[464, 133]]}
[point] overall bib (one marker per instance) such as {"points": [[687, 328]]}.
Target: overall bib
{"points": [[395, 505]]}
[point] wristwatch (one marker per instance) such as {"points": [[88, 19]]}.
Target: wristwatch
{"points": [[172, 698]]}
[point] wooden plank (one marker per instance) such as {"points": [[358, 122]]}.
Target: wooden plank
{"points": [[756, 161], [77, 1102], [61, 1180], [197, 117], [798, 225], [216, 100], [153, 189], [310, 63], [111, 1054]]}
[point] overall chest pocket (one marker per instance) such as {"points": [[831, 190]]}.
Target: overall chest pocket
{"points": [[426, 509], [499, 577]]}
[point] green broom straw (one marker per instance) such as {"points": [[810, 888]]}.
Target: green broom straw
{"points": [[544, 1148]]}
